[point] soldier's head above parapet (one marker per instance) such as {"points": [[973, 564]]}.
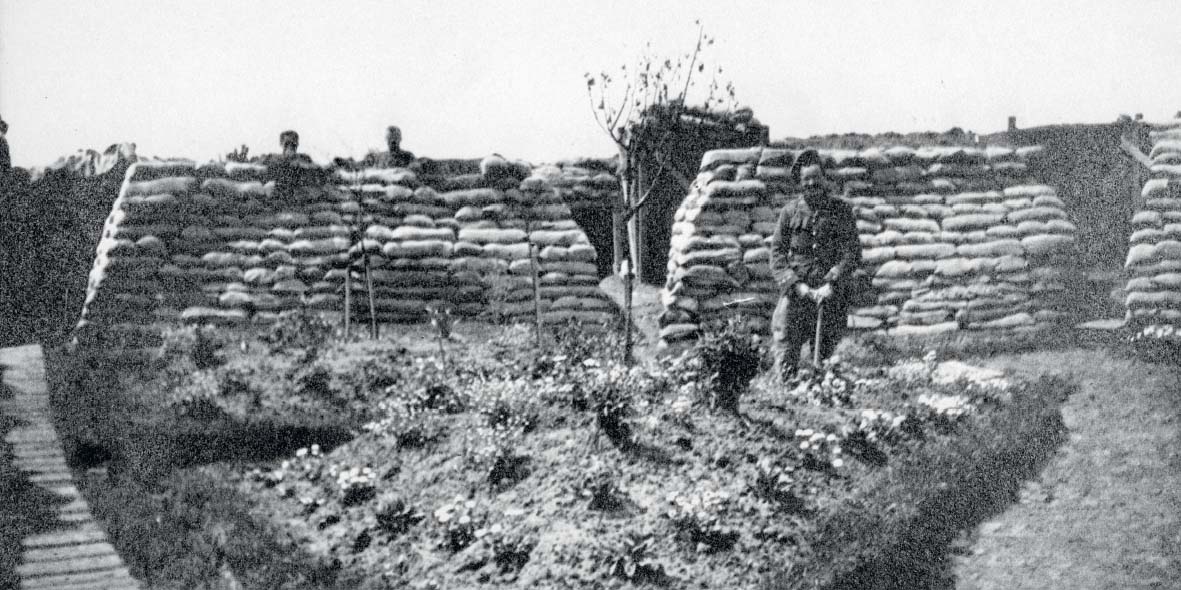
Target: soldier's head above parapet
{"points": [[3, 126], [805, 159], [289, 141], [393, 138]]}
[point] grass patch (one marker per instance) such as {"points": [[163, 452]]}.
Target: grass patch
{"points": [[894, 532]]}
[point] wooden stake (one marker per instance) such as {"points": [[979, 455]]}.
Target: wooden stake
{"points": [[373, 332], [536, 293]]}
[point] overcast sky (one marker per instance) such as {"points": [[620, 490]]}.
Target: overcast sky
{"points": [[465, 79]]}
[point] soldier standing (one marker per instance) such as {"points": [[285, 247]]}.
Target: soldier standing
{"points": [[396, 157], [814, 252]]}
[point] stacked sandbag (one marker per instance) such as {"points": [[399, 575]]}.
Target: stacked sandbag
{"points": [[1154, 257], [216, 244], [587, 184], [469, 244], [232, 243], [952, 238], [591, 190]]}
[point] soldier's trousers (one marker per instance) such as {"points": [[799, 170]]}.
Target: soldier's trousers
{"points": [[794, 323]]}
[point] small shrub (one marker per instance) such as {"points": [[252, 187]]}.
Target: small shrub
{"points": [[395, 517], [508, 551], [460, 519], [611, 396], [494, 449], [776, 481], [410, 423], [301, 329], [357, 484], [600, 487], [631, 560], [198, 398], [730, 358], [697, 517]]}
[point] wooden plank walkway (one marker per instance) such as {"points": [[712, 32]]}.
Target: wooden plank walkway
{"points": [[75, 555]]}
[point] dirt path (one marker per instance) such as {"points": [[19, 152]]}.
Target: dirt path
{"points": [[49, 539], [1106, 511]]}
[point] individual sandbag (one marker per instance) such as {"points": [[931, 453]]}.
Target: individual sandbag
{"points": [[1010, 321], [928, 251], [492, 236], [1035, 214], [972, 221], [895, 269], [557, 238], [992, 249], [930, 330], [507, 251], [419, 233], [876, 255], [1029, 190], [956, 267], [917, 238], [903, 224], [215, 316], [1158, 299], [315, 247], [1031, 228], [1147, 236], [417, 249], [718, 257], [171, 185]]}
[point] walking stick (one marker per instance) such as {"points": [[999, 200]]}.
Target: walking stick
{"points": [[816, 340]]}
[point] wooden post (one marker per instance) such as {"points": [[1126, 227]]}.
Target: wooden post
{"points": [[629, 276], [348, 296], [533, 272], [373, 332], [636, 233]]}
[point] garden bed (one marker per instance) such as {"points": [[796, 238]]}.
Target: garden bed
{"points": [[499, 464]]}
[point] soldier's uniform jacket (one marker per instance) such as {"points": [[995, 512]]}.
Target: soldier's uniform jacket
{"points": [[816, 246]]}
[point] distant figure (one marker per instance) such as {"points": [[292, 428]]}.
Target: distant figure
{"points": [[396, 157], [289, 140], [289, 168], [5, 160]]}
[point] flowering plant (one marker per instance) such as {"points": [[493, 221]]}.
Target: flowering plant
{"points": [[823, 447], [698, 515], [357, 484], [460, 519]]}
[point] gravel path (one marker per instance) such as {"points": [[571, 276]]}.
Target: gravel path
{"points": [[1106, 511]]}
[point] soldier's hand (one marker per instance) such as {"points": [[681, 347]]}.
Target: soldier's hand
{"points": [[824, 292]]}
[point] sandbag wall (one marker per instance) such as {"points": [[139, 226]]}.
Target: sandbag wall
{"points": [[953, 238], [241, 243], [467, 241], [1154, 259], [591, 189]]}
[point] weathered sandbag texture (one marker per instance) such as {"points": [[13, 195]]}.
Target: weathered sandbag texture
{"points": [[234, 243], [1154, 256], [590, 188], [953, 238]]}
